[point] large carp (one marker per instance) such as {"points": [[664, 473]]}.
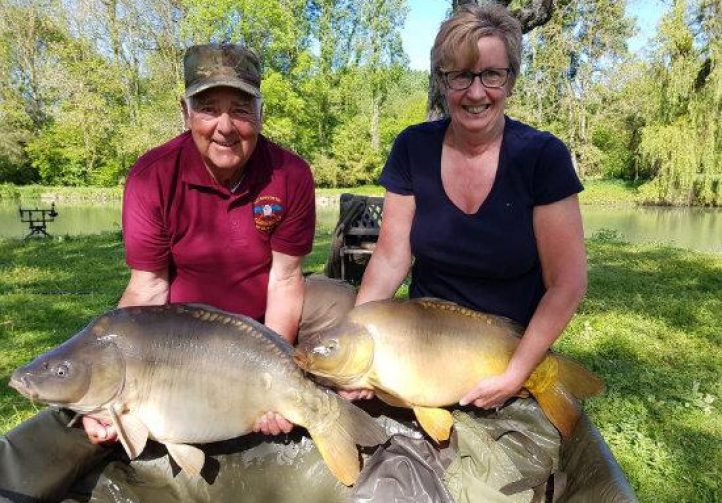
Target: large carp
{"points": [[183, 374], [427, 353]]}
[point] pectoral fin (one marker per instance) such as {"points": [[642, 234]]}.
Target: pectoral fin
{"points": [[189, 458], [436, 422], [132, 433], [390, 399]]}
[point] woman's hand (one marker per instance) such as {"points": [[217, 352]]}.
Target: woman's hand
{"points": [[493, 392], [272, 424], [356, 394], [99, 431]]}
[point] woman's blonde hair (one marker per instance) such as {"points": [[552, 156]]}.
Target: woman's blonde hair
{"points": [[456, 48]]}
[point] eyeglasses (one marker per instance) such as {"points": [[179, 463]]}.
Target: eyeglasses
{"points": [[492, 78]]}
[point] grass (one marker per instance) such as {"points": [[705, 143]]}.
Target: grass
{"points": [[9, 192], [650, 325], [596, 192], [609, 192]]}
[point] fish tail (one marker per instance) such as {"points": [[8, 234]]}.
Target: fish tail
{"points": [[560, 407], [581, 382], [336, 439], [558, 396]]}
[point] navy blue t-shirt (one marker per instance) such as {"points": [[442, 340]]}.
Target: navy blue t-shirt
{"points": [[487, 261]]}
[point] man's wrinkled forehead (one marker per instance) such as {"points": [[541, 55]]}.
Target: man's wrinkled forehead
{"points": [[212, 96]]}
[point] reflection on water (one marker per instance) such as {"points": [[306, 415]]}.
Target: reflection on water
{"points": [[72, 220], [693, 228]]}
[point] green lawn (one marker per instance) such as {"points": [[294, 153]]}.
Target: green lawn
{"points": [[651, 325]]}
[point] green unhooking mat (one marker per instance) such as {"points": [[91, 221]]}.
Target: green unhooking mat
{"points": [[509, 456]]}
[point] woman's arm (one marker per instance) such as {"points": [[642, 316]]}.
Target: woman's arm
{"points": [[389, 263], [391, 259], [560, 241]]}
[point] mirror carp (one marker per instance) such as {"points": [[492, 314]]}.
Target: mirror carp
{"points": [[426, 354], [188, 374]]}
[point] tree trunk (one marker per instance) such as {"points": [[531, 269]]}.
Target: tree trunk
{"points": [[534, 13], [375, 124]]}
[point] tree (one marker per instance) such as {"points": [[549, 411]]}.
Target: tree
{"points": [[27, 29], [567, 77], [681, 144]]}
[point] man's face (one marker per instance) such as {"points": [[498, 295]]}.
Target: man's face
{"points": [[225, 124]]}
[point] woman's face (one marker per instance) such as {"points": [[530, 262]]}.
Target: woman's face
{"points": [[480, 109]]}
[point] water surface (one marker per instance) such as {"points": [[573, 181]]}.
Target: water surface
{"points": [[691, 228]]}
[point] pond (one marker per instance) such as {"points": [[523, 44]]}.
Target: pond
{"points": [[692, 228]]}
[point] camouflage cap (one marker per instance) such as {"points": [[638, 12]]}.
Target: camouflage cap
{"points": [[215, 65]]}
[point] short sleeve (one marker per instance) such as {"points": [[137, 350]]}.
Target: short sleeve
{"points": [[294, 234], [145, 237], [554, 176], [396, 175]]}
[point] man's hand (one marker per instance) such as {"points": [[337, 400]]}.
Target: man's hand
{"points": [[99, 431], [356, 394], [272, 424]]}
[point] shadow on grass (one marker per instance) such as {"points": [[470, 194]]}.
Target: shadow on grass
{"points": [[83, 265], [647, 418], [682, 289]]}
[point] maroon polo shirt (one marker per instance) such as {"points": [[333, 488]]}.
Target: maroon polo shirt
{"points": [[216, 243]]}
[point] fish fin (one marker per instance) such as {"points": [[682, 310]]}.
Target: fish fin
{"points": [[560, 407], [580, 381], [556, 384], [390, 399], [336, 440], [133, 434], [189, 458], [435, 421]]}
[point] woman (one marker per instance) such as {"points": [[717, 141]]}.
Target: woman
{"points": [[486, 205]]}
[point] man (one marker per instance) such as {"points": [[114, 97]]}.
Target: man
{"points": [[219, 215]]}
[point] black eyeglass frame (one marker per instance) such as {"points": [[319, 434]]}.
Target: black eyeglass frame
{"points": [[485, 71]]}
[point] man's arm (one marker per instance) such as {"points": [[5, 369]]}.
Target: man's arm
{"points": [[146, 288], [285, 295], [283, 314]]}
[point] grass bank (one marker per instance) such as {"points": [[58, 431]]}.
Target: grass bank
{"points": [[596, 192], [10, 192], [650, 325]]}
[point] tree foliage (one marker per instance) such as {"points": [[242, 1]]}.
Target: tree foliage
{"points": [[89, 85], [681, 145]]}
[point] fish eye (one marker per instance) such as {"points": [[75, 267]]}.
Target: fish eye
{"points": [[326, 349], [62, 370]]}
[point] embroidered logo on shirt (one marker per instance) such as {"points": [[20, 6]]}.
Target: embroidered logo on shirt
{"points": [[267, 212]]}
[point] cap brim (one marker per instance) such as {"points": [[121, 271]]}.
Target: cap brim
{"points": [[225, 82]]}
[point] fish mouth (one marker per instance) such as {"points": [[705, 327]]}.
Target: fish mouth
{"points": [[22, 386]]}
